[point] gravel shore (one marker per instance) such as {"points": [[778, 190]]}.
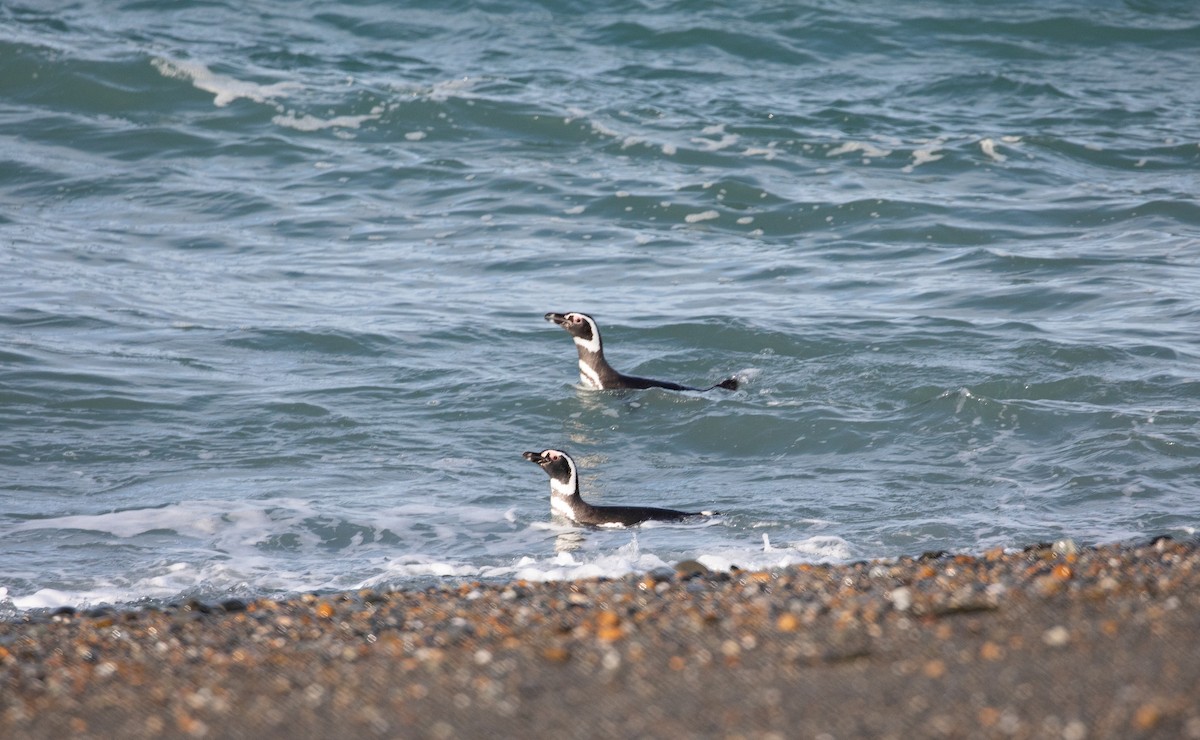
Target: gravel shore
{"points": [[1051, 642]]}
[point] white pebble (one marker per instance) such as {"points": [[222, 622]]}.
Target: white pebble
{"points": [[1056, 636]]}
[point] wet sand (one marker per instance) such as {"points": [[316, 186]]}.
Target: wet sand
{"points": [[1044, 643]]}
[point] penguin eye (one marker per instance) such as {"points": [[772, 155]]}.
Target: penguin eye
{"points": [[576, 319]]}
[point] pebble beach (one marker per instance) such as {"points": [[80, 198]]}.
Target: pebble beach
{"points": [[272, 339], [1050, 641]]}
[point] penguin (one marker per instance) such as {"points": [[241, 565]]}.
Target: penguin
{"points": [[594, 370], [566, 501]]}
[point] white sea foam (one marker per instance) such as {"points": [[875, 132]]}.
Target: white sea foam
{"points": [[199, 518], [867, 149], [749, 374], [713, 145], [561, 566], [225, 89], [693, 218], [314, 123], [821, 548], [989, 148], [769, 152], [171, 581], [459, 87], [255, 572], [50, 598], [924, 155], [603, 130], [565, 566], [813, 550], [626, 560], [447, 89]]}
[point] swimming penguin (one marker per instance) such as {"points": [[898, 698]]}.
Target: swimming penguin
{"points": [[566, 501], [594, 370]]}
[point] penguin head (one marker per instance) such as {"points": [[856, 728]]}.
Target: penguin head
{"points": [[578, 325], [559, 466]]}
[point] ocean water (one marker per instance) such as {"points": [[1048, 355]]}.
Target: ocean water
{"points": [[273, 280]]}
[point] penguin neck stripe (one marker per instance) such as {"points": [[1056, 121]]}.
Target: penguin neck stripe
{"points": [[588, 376], [563, 489], [591, 345]]}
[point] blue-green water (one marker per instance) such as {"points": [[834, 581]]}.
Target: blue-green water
{"points": [[273, 280]]}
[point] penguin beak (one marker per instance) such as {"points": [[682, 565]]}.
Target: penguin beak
{"points": [[533, 457], [557, 318]]}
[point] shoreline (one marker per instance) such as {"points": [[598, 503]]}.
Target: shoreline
{"points": [[1046, 642]]}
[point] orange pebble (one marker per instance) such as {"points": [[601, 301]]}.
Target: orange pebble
{"points": [[556, 654], [787, 623], [609, 633], [1146, 717], [608, 618]]}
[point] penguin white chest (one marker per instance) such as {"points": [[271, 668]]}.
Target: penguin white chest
{"points": [[562, 508]]}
